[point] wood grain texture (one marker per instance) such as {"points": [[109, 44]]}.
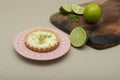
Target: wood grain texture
{"points": [[105, 33]]}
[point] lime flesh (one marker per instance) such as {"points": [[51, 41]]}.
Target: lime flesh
{"points": [[78, 37]]}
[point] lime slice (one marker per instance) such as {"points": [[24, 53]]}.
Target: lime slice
{"points": [[78, 37], [77, 9], [66, 8]]}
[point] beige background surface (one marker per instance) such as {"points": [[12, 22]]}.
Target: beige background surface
{"points": [[78, 64]]}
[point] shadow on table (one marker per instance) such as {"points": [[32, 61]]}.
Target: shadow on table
{"points": [[36, 62]]}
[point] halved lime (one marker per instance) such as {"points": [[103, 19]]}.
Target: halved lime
{"points": [[77, 9], [66, 8], [78, 37]]}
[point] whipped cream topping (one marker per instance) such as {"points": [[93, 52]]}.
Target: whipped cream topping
{"points": [[42, 39]]}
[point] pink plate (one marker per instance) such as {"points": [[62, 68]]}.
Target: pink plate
{"points": [[62, 49]]}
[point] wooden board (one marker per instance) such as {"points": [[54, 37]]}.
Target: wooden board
{"points": [[105, 33]]}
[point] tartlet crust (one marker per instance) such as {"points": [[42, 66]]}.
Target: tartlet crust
{"points": [[42, 49]]}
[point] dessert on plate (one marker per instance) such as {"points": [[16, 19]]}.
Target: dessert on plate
{"points": [[42, 40]]}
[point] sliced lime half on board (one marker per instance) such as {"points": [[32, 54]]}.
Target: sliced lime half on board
{"points": [[77, 9], [78, 37], [66, 8]]}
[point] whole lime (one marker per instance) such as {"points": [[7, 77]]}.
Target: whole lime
{"points": [[92, 13]]}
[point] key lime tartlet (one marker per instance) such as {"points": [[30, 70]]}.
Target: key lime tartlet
{"points": [[42, 40]]}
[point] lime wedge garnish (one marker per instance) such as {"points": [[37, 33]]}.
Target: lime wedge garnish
{"points": [[78, 37], [66, 8], [78, 9]]}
